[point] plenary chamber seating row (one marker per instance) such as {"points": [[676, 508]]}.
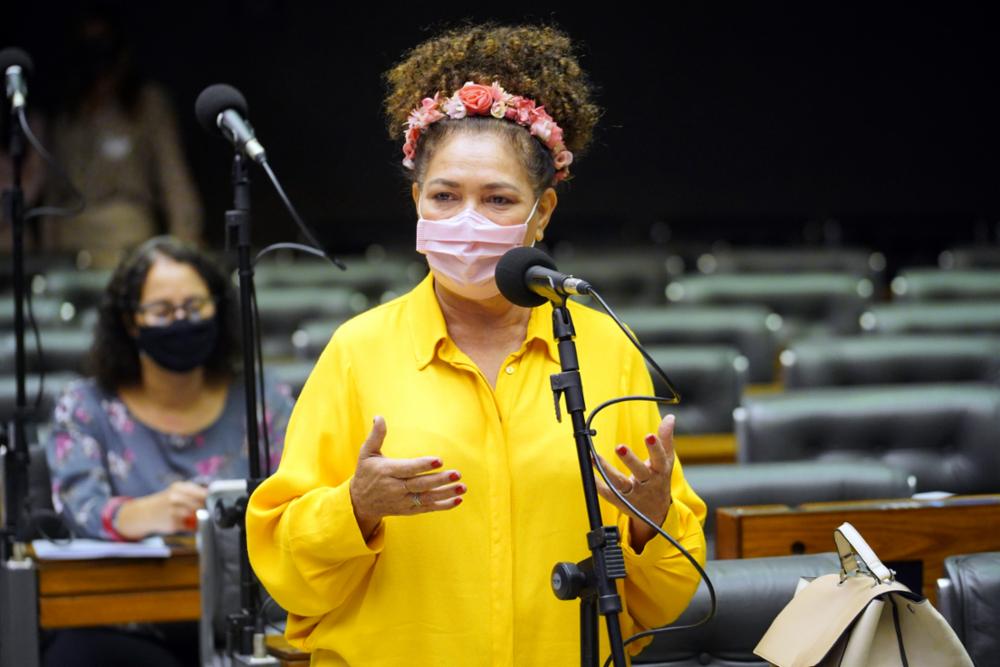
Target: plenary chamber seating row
{"points": [[874, 447], [947, 436]]}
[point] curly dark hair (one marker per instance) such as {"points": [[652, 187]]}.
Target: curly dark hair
{"points": [[537, 62], [114, 355]]}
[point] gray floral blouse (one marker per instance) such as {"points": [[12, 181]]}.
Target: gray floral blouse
{"points": [[100, 455]]}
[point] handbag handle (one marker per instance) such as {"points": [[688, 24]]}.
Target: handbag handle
{"points": [[854, 552]]}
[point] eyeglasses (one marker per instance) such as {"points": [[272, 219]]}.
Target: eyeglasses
{"points": [[161, 313]]}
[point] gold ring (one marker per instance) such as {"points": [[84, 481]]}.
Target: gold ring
{"points": [[415, 497]]}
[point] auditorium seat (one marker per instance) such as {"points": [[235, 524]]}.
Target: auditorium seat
{"points": [[312, 336], [62, 350], [80, 288], [622, 276], [970, 257], [753, 330], [35, 263], [750, 593], [282, 310], [369, 277], [859, 262], [969, 598], [857, 360], [956, 317], [940, 285], [825, 301], [944, 435], [710, 379], [49, 312], [793, 483], [219, 581], [292, 373], [54, 384]]}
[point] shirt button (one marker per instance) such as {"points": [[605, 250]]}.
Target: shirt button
{"points": [[510, 370]]}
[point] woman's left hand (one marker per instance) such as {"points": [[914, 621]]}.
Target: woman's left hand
{"points": [[648, 487]]}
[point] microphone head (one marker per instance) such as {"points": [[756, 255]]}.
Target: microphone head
{"points": [[214, 100], [15, 56], [511, 271]]}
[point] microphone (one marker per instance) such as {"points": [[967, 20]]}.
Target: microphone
{"points": [[222, 107], [17, 67], [528, 277]]}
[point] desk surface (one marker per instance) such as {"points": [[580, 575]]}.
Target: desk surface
{"points": [[120, 590], [927, 531]]}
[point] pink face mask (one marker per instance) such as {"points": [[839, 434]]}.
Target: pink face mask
{"points": [[463, 250]]}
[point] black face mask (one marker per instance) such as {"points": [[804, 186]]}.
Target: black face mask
{"points": [[181, 346]]}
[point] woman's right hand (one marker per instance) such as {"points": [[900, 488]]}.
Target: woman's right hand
{"points": [[382, 486], [168, 511]]}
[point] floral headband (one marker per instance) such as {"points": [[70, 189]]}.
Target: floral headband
{"points": [[475, 99]]}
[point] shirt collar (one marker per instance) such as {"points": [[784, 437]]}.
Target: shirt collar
{"points": [[428, 329]]}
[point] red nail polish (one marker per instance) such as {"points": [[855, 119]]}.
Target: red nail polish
{"points": [[460, 489], [458, 501], [454, 477], [436, 463], [650, 439], [622, 450]]}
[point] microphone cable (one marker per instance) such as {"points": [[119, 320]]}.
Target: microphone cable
{"points": [[673, 400]]}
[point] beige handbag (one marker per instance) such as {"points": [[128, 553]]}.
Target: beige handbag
{"points": [[860, 617]]}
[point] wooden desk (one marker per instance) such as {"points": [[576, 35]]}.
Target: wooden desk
{"points": [[706, 448], [287, 655], [898, 530], [119, 590]]}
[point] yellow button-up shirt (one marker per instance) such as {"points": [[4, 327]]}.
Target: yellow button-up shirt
{"points": [[469, 585]]}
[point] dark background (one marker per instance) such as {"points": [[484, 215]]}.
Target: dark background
{"points": [[752, 123]]}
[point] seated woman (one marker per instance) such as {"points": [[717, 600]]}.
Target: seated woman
{"points": [[133, 448]]}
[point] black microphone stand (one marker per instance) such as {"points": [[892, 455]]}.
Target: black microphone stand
{"points": [[16, 463], [242, 626], [19, 594], [592, 580]]}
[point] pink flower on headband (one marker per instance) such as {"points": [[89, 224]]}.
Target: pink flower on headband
{"points": [[477, 99], [523, 110], [563, 159], [474, 99], [426, 114], [542, 128], [455, 108]]}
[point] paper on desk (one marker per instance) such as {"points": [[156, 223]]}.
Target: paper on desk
{"points": [[83, 549]]}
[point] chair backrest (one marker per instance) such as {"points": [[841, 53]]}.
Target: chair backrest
{"points": [[63, 350], [219, 571], [938, 284], [292, 373], [750, 594], [792, 483], [753, 330], [832, 299], [282, 310], [81, 288], [954, 317], [969, 597], [889, 359], [947, 436], [970, 257], [710, 379], [313, 335], [53, 386], [622, 276], [796, 259]]}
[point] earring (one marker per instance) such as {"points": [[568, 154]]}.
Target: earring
{"points": [[539, 235]]}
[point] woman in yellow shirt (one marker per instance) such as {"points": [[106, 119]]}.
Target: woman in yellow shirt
{"points": [[426, 489]]}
